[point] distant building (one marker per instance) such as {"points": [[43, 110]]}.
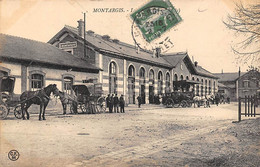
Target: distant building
{"points": [[238, 84], [37, 64], [132, 71]]}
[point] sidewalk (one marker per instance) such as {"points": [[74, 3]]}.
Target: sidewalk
{"points": [[134, 107]]}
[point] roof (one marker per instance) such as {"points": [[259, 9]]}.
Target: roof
{"points": [[227, 76], [118, 47], [21, 49], [129, 51], [204, 72]]}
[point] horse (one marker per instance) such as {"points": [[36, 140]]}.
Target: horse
{"points": [[68, 99], [203, 101], [39, 97]]}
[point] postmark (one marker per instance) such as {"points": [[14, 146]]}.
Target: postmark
{"points": [[155, 18], [13, 155]]}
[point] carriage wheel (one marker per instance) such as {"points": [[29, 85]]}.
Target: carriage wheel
{"points": [[169, 103], [176, 105], [3, 111], [101, 105], [184, 103], [18, 112], [189, 103]]}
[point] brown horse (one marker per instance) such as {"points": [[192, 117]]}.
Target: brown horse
{"points": [[40, 97]]}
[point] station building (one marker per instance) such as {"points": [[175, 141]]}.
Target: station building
{"points": [[36, 64], [133, 72]]}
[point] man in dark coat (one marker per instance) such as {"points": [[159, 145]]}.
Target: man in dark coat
{"points": [[139, 99], [108, 100], [122, 103], [111, 103], [116, 103]]}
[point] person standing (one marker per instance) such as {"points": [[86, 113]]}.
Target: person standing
{"points": [[111, 103], [108, 101], [139, 99], [122, 104], [116, 102]]}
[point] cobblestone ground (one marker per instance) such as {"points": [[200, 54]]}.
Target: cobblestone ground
{"points": [[150, 136]]}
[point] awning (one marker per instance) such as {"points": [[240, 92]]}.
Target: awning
{"points": [[185, 82]]}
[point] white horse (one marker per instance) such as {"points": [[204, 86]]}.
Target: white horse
{"points": [[203, 100]]}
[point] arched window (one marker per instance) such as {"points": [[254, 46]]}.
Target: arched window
{"points": [[214, 87], [160, 82], [151, 75], [67, 84], [112, 68], [209, 87], [37, 81], [142, 73], [131, 84], [197, 88], [167, 84], [131, 71], [206, 87], [201, 88], [181, 77], [187, 78], [193, 78], [175, 77], [112, 78]]}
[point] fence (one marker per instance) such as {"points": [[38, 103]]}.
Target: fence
{"points": [[251, 103]]}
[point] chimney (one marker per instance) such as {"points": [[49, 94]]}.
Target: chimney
{"points": [[90, 32], [196, 64], [239, 72], [222, 71], [157, 52], [115, 40], [81, 28], [106, 37]]}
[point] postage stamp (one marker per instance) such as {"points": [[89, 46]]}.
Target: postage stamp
{"points": [[155, 18]]}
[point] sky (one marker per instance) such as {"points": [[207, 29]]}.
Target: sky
{"points": [[201, 33]]}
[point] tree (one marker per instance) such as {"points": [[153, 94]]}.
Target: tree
{"points": [[246, 22]]}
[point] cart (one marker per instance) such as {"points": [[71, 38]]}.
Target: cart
{"points": [[89, 98], [9, 100]]}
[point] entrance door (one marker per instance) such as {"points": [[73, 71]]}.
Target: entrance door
{"points": [[143, 94], [151, 94], [131, 92]]}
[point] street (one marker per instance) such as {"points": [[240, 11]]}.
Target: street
{"points": [[150, 136]]}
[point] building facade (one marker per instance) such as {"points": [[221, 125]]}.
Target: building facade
{"points": [[36, 64], [133, 72], [239, 84]]}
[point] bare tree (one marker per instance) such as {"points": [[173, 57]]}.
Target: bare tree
{"points": [[246, 22]]}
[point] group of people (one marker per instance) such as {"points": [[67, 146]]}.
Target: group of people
{"points": [[113, 102]]}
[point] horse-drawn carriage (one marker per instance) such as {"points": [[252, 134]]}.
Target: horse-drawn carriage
{"points": [[9, 100], [89, 98], [178, 99]]}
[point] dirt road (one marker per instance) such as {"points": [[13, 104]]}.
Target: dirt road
{"points": [[149, 137]]}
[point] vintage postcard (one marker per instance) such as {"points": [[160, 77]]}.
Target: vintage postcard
{"points": [[129, 83]]}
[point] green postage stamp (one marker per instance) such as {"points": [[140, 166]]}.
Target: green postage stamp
{"points": [[155, 18]]}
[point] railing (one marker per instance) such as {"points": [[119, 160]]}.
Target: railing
{"points": [[251, 102]]}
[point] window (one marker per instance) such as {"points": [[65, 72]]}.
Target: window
{"points": [[131, 71], [112, 68], [36, 82], [246, 83], [197, 88], [181, 77], [209, 87], [167, 88], [206, 87], [112, 78], [187, 78], [151, 75], [142, 73], [201, 89], [160, 82], [67, 84]]}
